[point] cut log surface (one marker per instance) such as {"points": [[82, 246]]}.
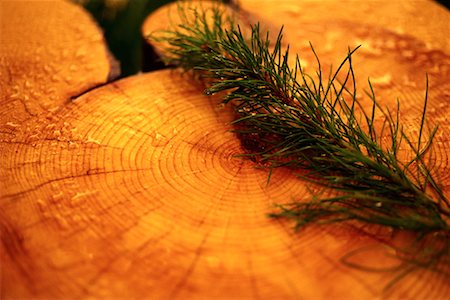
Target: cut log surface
{"points": [[134, 189], [50, 52]]}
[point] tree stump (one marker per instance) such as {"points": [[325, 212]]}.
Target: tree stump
{"points": [[133, 189]]}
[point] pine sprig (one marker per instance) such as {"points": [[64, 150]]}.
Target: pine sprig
{"points": [[287, 118]]}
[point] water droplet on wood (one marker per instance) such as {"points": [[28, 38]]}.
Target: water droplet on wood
{"points": [[408, 82], [41, 205], [408, 54], [159, 139], [61, 222], [80, 52], [131, 131], [56, 133], [11, 125], [58, 196], [33, 138], [92, 140], [73, 145], [382, 81], [79, 196]]}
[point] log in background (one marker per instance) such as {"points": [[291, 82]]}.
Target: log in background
{"points": [[133, 190]]}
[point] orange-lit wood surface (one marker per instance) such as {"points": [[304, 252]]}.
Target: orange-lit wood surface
{"points": [[133, 190]]}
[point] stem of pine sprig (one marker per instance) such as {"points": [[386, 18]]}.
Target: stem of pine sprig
{"points": [[287, 118]]}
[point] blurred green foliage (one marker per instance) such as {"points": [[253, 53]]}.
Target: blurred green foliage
{"points": [[121, 21]]}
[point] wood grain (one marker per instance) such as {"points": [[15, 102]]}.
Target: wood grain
{"points": [[133, 190]]}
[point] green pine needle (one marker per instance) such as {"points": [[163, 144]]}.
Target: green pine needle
{"points": [[286, 118]]}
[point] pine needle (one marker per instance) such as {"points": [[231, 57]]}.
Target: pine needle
{"points": [[287, 118]]}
